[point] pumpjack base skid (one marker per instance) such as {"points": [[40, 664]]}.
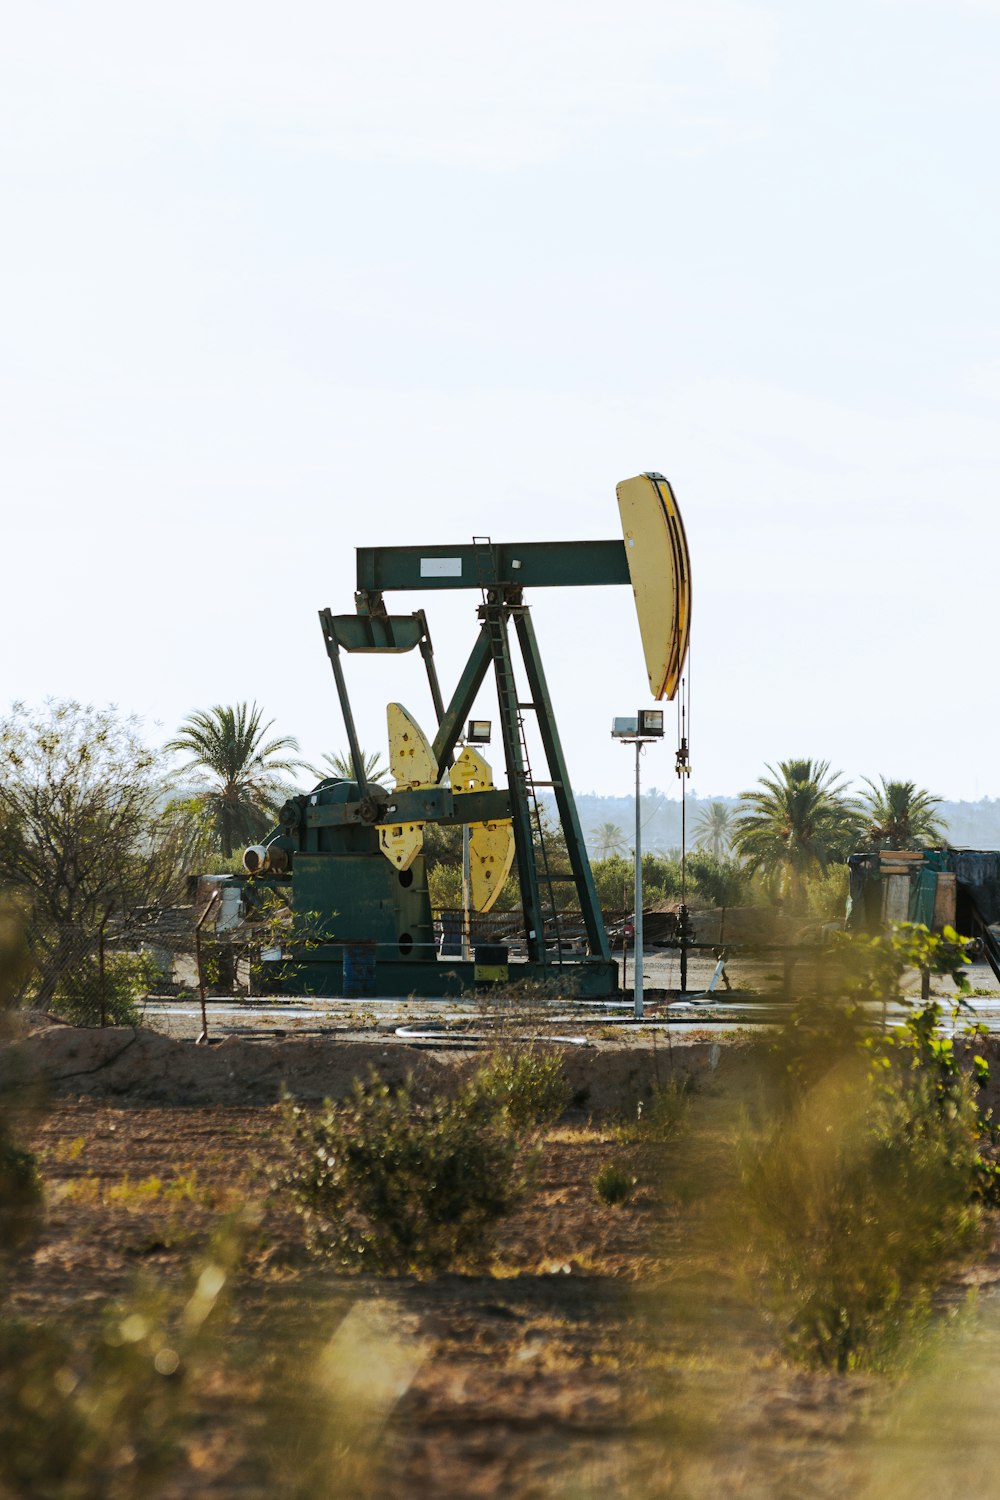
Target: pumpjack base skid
{"points": [[581, 979]]}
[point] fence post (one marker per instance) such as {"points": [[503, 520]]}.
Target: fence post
{"points": [[201, 975], [100, 970]]}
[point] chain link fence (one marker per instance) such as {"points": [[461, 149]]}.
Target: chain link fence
{"points": [[102, 974]]}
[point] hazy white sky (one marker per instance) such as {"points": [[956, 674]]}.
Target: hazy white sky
{"points": [[282, 281]]}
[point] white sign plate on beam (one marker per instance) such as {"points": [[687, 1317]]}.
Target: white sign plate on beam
{"points": [[440, 567]]}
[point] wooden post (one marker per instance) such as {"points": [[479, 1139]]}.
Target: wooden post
{"points": [[201, 976]]}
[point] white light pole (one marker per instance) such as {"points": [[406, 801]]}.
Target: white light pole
{"points": [[646, 727], [637, 953]]}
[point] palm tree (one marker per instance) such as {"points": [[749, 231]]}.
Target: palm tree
{"points": [[609, 839], [797, 822], [341, 765], [901, 815], [714, 829], [246, 788]]}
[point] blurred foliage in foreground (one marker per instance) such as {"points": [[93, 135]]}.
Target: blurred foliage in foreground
{"points": [[860, 1178], [115, 1409], [866, 1179]]}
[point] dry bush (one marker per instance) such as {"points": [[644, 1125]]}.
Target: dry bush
{"points": [[387, 1184], [528, 1082]]}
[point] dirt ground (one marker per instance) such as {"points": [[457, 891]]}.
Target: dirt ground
{"points": [[605, 1350], [520, 1371]]}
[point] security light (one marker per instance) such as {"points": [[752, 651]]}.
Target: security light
{"points": [[638, 730], [647, 724], [479, 731]]}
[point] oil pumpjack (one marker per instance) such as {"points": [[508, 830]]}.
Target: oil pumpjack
{"points": [[351, 851]]}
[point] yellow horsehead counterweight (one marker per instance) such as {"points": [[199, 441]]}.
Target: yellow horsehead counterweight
{"points": [[491, 845], [660, 570], [414, 766]]}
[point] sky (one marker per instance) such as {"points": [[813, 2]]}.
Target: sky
{"points": [[279, 282]]}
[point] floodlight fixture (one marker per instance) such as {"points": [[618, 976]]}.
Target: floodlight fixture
{"points": [[479, 731], [647, 724]]}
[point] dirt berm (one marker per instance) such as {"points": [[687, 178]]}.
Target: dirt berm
{"points": [[146, 1067]]}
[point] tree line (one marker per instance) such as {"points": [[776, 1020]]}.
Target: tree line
{"points": [[95, 829], [96, 826], [798, 825]]}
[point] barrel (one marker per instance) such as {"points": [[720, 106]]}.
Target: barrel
{"points": [[359, 971]]}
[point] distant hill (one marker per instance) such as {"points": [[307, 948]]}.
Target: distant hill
{"points": [[661, 817], [972, 825]]}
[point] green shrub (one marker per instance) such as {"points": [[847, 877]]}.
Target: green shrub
{"points": [[717, 882], [826, 894], [661, 1116], [529, 1082], [20, 1189], [858, 1201], [387, 1184], [868, 1179], [613, 1185], [20, 1192], [128, 978]]}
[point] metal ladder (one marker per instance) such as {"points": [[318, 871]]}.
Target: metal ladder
{"points": [[520, 769]]}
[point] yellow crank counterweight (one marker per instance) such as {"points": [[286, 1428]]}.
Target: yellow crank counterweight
{"points": [[413, 764], [660, 570], [491, 845]]}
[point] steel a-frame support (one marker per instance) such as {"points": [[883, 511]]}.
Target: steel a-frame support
{"points": [[495, 618], [493, 645], [590, 906]]}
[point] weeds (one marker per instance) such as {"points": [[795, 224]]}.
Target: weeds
{"points": [[660, 1117], [139, 1195], [613, 1185], [185, 1188], [118, 1412], [66, 1152]]}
